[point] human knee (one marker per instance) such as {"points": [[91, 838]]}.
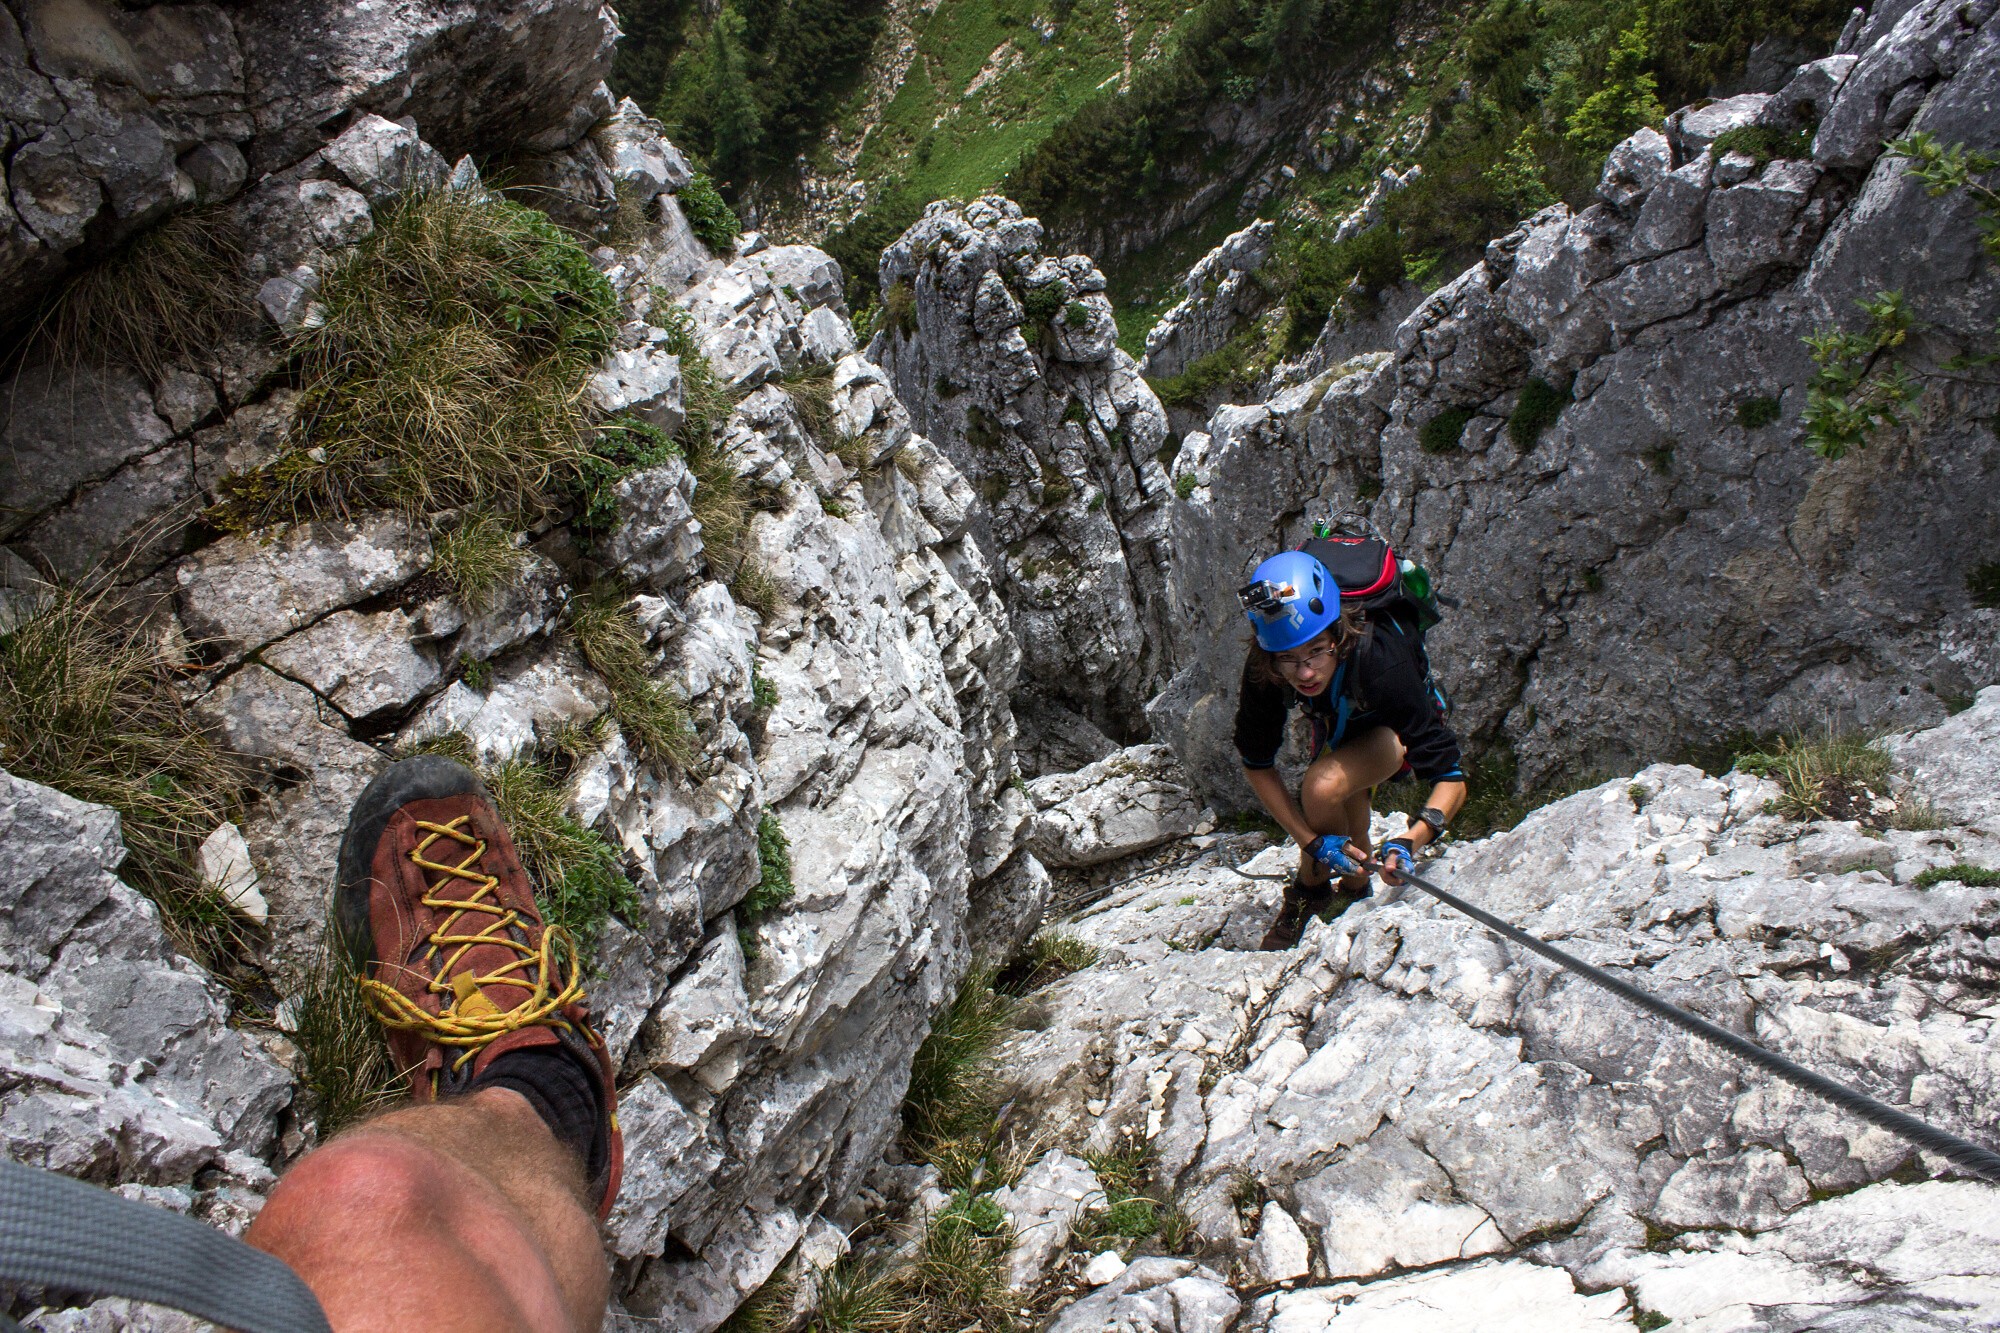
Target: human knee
{"points": [[362, 1171], [1323, 791]]}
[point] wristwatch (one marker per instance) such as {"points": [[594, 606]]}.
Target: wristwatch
{"points": [[1434, 817]]}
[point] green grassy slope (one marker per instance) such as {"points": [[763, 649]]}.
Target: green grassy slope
{"points": [[1097, 115]]}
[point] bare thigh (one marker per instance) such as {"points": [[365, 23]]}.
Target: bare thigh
{"points": [[1334, 792]]}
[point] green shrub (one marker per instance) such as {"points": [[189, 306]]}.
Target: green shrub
{"points": [[1848, 399], [477, 674], [88, 708], [1539, 407], [1076, 314], [1628, 98], [1763, 143], [1971, 876], [1041, 304], [1185, 485], [1983, 583], [165, 297], [623, 446], [899, 307], [1235, 365], [1440, 435], [713, 222], [763, 694], [1757, 413], [451, 369], [774, 870]]}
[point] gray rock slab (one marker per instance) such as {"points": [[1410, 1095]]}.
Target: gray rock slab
{"points": [[241, 593], [361, 663], [59, 430]]}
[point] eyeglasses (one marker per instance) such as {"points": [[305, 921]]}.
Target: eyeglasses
{"points": [[1292, 665]]}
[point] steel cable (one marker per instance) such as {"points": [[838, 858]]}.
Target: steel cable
{"points": [[1963, 1153]]}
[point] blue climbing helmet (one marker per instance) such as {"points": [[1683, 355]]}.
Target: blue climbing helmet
{"points": [[1289, 600]]}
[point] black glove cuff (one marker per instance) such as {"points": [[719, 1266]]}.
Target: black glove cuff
{"points": [[1409, 848]]}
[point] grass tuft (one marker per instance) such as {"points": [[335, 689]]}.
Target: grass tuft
{"points": [[650, 712], [811, 392], [952, 1077], [769, 1311], [89, 709], [345, 1070], [1830, 777], [1971, 876], [1982, 582], [1757, 413], [1440, 435], [477, 557], [1538, 408], [899, 308], [166, 297], [449, 369], [1051, 956]]}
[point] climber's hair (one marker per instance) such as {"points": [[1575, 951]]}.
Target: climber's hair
{"points": [[1347, 632]]}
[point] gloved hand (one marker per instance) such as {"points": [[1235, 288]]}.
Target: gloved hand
{"points": [[1397, 855], [1331, 851]]}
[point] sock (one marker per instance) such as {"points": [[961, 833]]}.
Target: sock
{"points": [[564, 1092]]}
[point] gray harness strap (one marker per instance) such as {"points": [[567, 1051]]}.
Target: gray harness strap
{"points": [[61, 1233]]}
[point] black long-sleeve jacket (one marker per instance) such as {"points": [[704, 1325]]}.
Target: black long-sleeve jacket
{"points": [[1383, 683]]}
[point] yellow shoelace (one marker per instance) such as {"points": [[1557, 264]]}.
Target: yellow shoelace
{"points": [[469, 1019]]}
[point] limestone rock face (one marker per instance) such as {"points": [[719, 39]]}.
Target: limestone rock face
{"points": [[120, 1065], [1651, 571], [1408, 1093], [121, 115], [1007, 359], [1221, 293], [860, 710]]}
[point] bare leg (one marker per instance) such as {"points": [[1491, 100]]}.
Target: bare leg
{"points": [[1335, 791], [455, 1215]]}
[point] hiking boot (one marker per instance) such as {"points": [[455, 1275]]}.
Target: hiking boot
{"points": [[438, 917], [1301, 903]]}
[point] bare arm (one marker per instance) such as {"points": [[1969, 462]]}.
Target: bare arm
{"points": [[1278, 799], [1448, 796]]}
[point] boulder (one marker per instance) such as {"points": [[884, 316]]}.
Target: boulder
{"points": [[1040, 1206], [1155, 1295], [1129, 802]]}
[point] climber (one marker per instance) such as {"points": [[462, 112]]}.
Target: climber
{"points": [[1361, 678], [477, 1207]]}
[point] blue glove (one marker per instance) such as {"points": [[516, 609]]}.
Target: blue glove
{"points": [[1397, 856], [1330, 850]]}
